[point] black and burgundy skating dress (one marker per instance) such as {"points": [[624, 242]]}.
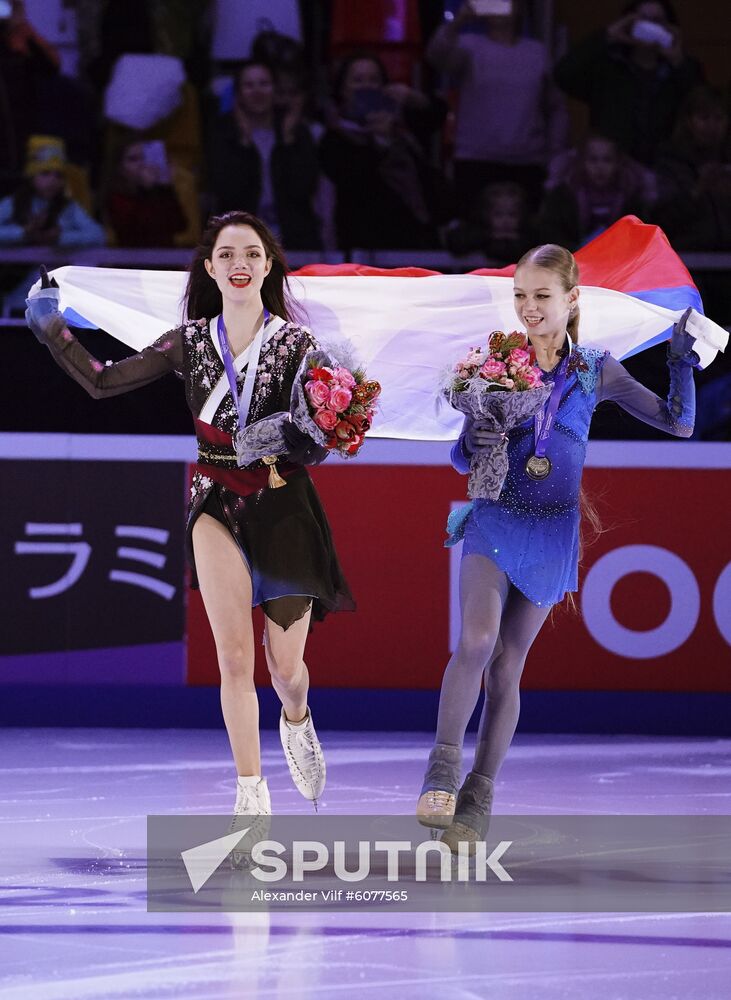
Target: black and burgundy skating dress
{"points": [[282, 533]]}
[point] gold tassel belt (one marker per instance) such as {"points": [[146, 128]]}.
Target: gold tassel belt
{"points": [[214, 457], [217, 458]]}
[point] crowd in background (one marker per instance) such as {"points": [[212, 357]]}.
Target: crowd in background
{"points": [[462, 142]]}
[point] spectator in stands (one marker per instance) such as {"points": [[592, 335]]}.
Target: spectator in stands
{"points": [[694, 176], [596, 185], [499, 227], [293, 97], [26, 59], [142, 207], [40, 213], [633, 76], [108, 29], [510, 118], [37, 99], [694, 181], [388, 195], [265, 162]]}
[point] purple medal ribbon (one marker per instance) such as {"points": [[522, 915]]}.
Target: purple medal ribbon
{"points": [[544, 420], [243, 403], [538, 465]]}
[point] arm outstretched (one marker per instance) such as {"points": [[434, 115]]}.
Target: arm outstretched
{"points": [[676, 414], [100, 380]]}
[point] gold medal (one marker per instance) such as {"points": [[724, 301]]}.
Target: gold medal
{"points": [[538, 467]]}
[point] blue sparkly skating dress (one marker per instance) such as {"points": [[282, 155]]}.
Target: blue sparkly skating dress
{"points": [[531, 532]]}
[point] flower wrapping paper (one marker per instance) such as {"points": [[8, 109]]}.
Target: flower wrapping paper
{"points": [[266, 437], [503, 411]]}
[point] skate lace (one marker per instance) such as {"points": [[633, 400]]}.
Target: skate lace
{"points": [[248, 803], [305, 755], [438, 799]]}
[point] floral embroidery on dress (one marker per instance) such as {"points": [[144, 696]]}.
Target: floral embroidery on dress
{"points": [[203, 361], [199, 487], [577, 362], [278, 363], [586, 363], [193, 328], [283, 353]]}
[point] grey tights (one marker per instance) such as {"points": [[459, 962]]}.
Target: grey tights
{"points": [[499, 626]]}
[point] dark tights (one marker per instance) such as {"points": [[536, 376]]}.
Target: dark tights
{"points": [[499, 626]]}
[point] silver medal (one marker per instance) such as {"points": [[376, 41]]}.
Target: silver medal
{"points": [[538, 467]]}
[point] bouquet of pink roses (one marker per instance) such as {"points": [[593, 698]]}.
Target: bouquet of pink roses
{"points": [[508, 362], [501, 385], [330, 404], [342, 405]]}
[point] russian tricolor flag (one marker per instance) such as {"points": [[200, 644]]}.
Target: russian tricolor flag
{"points": [[407, 332]]}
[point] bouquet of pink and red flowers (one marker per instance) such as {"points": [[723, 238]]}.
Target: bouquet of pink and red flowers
{"points": [[502, 386], [342, 404], [330, 405], [508, 362]]}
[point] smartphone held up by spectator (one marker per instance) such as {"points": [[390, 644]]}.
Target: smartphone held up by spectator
{"points": [[652, 33], [156, 160], [369, 101]]}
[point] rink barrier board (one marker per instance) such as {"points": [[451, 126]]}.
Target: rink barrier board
{"points": [[609, 713], [376, 451], [644, 489]]}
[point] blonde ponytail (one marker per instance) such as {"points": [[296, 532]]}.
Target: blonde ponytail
{"points": [[563, 263]]}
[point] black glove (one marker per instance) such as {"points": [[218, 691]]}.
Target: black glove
{"points": [[42, 313], [301, 449]]}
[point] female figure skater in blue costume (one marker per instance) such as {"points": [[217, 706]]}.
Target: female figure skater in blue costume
{"points": [[521, 551]]}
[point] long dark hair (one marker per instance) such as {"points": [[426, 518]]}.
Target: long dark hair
{"points": [[203, 300]]}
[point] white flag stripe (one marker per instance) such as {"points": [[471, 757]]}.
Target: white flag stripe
{"points": [[406, 331]]}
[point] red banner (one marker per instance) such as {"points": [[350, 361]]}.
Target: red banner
{"points": [[654, 601]]}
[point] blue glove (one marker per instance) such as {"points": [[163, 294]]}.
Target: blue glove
{"points": [[681, 343], [42, 312]]}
